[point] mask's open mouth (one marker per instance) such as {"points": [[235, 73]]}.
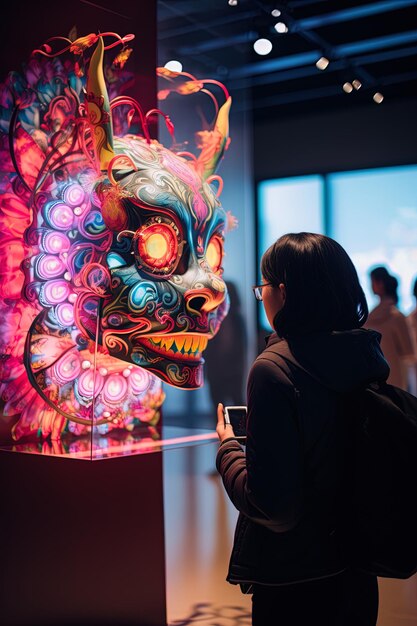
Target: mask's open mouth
{"points": [[180, 347]]}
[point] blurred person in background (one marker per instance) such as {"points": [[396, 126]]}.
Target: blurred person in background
{"points": [[386, 318]]}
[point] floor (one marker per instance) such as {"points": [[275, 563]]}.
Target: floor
{"points": [[199, 523]]}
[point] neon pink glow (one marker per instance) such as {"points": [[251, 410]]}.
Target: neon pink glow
{"points": [[90, 383], [139, 380], [145, 446], [72, 304], [68, 368], [50, 267], [114, 389], [61, 216], [56, 242], [56, 291], [65, 314], [74, 195]]}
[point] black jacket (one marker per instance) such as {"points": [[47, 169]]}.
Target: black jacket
{"points": [[289, 486]]}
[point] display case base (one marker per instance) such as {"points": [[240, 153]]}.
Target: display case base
{"points": [[81, 543]]}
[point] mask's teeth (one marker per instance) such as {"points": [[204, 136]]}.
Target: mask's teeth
{"points": [[179, 341], [167, 342], [188, 343]]}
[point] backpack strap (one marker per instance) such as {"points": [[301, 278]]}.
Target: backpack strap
{"points": [[281, 355], [280, 361]]}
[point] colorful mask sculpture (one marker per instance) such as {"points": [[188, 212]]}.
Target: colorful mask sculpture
{"points": [[110, 249]]}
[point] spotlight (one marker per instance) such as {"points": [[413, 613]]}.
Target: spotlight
{"points": [[275, 12], [174, 66], [378, 97], [347, 87], [233, 3], [281, 28], [356, 84], [322, 63], [262, 46]]}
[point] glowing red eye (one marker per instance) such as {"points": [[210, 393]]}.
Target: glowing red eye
{"points": [[214, 253], [157, 248]]}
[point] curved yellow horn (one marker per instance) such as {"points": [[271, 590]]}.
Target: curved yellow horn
{"points": [[98, 108], [214, 143]]}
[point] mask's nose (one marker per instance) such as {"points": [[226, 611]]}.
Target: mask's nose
{"points": [[203, 300]]}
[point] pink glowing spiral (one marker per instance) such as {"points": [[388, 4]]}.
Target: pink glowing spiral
{"points": [[73, 195], [139, 380], [67, 368], [56, 291], [61, 216], [90, 384], [55, 243], [64, 314], [115, 389], [49, 266]]}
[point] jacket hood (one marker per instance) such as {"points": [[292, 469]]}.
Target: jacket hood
{"points": [[340, 360]]}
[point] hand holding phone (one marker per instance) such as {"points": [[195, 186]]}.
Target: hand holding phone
{"points": [[236, 417]]}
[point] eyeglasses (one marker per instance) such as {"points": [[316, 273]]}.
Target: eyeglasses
{"points": [[257, 290]]}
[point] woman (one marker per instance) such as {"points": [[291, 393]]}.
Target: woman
{"points": [[289, 486], [396, 341]]}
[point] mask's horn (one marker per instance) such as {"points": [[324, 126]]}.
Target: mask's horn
{"points": [[216, 143], [98, 108]]}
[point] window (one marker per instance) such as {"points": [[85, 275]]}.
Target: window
{"points": [[288, 205], [371, 213], [374, 217]]}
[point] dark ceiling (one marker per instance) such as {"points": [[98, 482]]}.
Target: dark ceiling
{"points": [[374, 42]]}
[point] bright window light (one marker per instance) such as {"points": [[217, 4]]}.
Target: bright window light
{"points": [[288, 205], [374, 217]]}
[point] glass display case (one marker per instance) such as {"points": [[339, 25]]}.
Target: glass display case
{"points": [[111, 253]]}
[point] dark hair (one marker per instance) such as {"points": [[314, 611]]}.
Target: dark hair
{"points": [[323, 292], [415, 288], [382, 275]]}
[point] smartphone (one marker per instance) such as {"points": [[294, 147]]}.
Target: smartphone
{"points": [[236, 417]]}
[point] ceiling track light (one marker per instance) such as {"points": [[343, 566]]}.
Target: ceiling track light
{"points": [[233, 3], [347, 87], [356, 84], [378, 97], [322, 63], [275, 12], [174, 66], [262, 46], [281, 28]]}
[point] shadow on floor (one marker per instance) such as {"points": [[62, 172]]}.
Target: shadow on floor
{"points": [[207, 614]]}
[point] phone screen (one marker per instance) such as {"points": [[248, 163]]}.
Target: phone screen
{"points": [[236, 417]]}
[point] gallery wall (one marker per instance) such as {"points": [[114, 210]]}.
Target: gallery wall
{"points": [[354, 137]]}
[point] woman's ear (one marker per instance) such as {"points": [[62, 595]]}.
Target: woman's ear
{"points": [[283, 292]]}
